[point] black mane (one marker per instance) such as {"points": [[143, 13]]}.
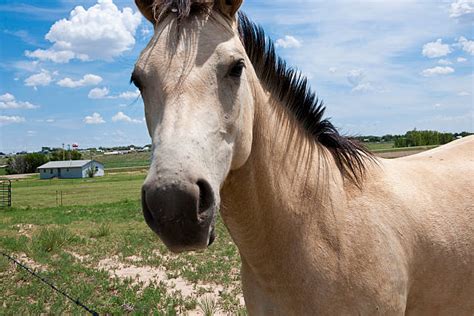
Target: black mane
{"points": [[286, 84], [292, 89]]}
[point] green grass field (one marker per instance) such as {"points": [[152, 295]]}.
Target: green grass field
{"points": [[389, 147], [33, 192], [126, 160], [98, 248]]}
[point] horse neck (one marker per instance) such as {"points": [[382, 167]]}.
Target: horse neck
{"points": [[285, 193]]}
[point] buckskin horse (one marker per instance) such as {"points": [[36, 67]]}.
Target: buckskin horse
{"points": [[322, 226]]}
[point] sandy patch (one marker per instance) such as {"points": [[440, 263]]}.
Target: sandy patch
{"points": [[30, 263], [146, 275], [18, 176], [134, 258], [25, 229], [77, 256]]}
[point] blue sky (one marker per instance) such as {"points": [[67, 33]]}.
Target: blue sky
{"points": [[380, 66]]}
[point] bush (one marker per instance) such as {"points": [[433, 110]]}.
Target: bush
{"points": [[90, 172], [25, 163]]}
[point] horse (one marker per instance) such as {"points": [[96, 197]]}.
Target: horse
{"points": [[322, 226]]}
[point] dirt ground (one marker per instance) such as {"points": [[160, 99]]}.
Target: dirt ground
{"points": [[398, 154], [17, 176]]}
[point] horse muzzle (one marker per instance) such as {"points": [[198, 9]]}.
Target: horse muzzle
{"points": [[181, 213]]}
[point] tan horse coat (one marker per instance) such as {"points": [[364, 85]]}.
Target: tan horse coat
{"points": [[311, 242], [314, 245]]}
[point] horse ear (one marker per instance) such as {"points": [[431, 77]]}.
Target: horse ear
{"points": [[146, 8], [229, 7]]}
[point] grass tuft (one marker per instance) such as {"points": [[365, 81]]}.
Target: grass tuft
{"points": [[52, 239], [102, 231], [208, 305]]}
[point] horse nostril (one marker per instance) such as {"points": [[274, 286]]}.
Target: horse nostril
{"points": [[206, 196]]}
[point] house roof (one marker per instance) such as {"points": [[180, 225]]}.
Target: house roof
{"points": [[66, 164]]}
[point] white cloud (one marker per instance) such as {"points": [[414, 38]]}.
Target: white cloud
{"points": [[356, 80], [95, 118], [466, 45], [50, 120], [121, 117], [31, 133], [129, 94], [437, 105], [363, 87], [43, 78], [4, 120], [99, 93], [355, 76], [59, 57], [436, 49], [288, 42], [332, 70], [29, 66], [145, 30], [461, 60], [437, 71], [104, 93], [101, 32], [8, 101], [461, 8], [87, 80], [444, 62], [463, 94]]}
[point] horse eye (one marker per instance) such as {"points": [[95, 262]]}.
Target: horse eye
{"points": [[237, 69], [134, 79]]}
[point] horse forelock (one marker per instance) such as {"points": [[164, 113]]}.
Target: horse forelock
{"points": [[285, 83], [182, 8]]}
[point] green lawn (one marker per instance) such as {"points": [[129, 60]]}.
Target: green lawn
{"points": [[389, 147], [126, 160], [98, 248], [379, 146], [69, 246], [34, 192]]}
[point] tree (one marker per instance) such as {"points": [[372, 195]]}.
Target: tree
{"points": [[16, 165], [25, 163], [61, 154], [33, 161]]}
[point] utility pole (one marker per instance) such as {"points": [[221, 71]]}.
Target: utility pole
{"points": [[64, 153]]}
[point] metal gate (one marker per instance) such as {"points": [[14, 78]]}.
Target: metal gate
{"points": [[5, 193]]}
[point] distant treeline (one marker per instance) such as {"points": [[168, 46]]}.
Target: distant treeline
{"points": [[28, 163], [415, 138]]}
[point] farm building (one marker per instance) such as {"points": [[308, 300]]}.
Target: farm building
{"points": [[70, 169]]}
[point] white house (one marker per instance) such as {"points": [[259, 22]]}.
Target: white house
{"points": [[71, 169]]}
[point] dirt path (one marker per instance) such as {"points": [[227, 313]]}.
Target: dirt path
{"points": [[18, 176], [398, 154]]}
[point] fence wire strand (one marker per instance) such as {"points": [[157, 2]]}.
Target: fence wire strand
{"points": [[29, 270]]}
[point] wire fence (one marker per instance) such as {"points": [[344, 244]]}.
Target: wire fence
{"points": [[42, 279]]}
